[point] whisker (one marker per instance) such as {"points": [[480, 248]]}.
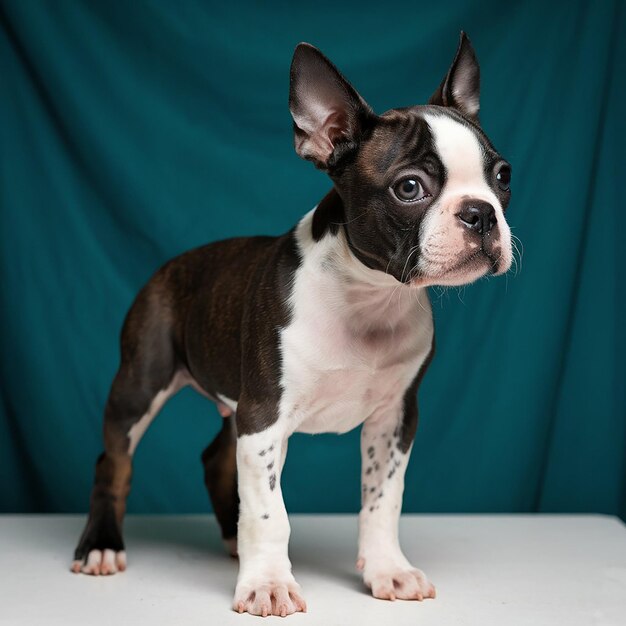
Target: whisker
{"points": [[518, 247], [411, 252], [392, 294], [349, 221]]}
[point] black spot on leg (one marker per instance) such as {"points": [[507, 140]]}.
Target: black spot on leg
{"points": [[371, 509], [397, 463], [372, 489], [368, 471], [272, 482], [370, 452], [262, 452], [265, 516], [271, 448], [391, 455], [380, 495], [389, 444], [391, 473], [270, 465], [376, 466]]}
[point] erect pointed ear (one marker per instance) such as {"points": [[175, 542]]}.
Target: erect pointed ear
{"points": [[460, 88], [328, 114]]}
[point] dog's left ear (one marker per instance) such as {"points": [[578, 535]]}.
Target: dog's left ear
{"points": [[328, 113], [460, 89]]}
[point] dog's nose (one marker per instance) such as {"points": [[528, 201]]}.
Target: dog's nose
{"points": [[479, 216]]}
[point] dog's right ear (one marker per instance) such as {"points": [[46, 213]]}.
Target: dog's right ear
{"points": [[460, 88], [328, 113]]}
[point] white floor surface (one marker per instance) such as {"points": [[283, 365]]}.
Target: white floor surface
{"points": [[488, 569]]}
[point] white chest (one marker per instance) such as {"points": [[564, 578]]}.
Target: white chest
{"points": [[351, 349], [339, 400]]}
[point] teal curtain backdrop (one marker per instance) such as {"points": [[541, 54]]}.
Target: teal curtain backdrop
{"points": [[132, 131]]}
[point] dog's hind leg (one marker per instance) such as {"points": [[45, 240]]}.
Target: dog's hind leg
{"points": [[220, 477], [149, 374]]}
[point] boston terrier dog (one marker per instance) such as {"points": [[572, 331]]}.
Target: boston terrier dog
{"points": [[319, 330]]}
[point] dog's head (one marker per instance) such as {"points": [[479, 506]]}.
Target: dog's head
{"points": [[422, 191]]}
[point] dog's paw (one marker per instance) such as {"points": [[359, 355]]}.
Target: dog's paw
{"points": [[100, 563], [397, 582], [269, 597]]}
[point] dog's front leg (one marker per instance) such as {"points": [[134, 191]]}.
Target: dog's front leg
{"points": [[265, 585], [385, 455]]}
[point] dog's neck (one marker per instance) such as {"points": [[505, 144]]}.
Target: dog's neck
{"points": [[365, 297]]}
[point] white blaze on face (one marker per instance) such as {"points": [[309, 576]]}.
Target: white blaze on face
{"points": [[462, 155], [443, 236]]}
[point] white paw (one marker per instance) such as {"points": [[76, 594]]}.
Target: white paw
{"points": [[269, 597], [390, 582], [101, 563]]}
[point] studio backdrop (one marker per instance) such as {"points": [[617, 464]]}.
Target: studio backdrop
{"points": [[133, 131]]}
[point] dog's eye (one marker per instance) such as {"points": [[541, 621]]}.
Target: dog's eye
{"points": [[504, 177], [410, 190]]}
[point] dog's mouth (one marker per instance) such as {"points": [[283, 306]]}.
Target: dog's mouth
{"points": [[492, 260], [471, 267], [479, 260]]}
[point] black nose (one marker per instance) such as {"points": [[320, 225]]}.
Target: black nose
{"points": [[479, 216]]}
